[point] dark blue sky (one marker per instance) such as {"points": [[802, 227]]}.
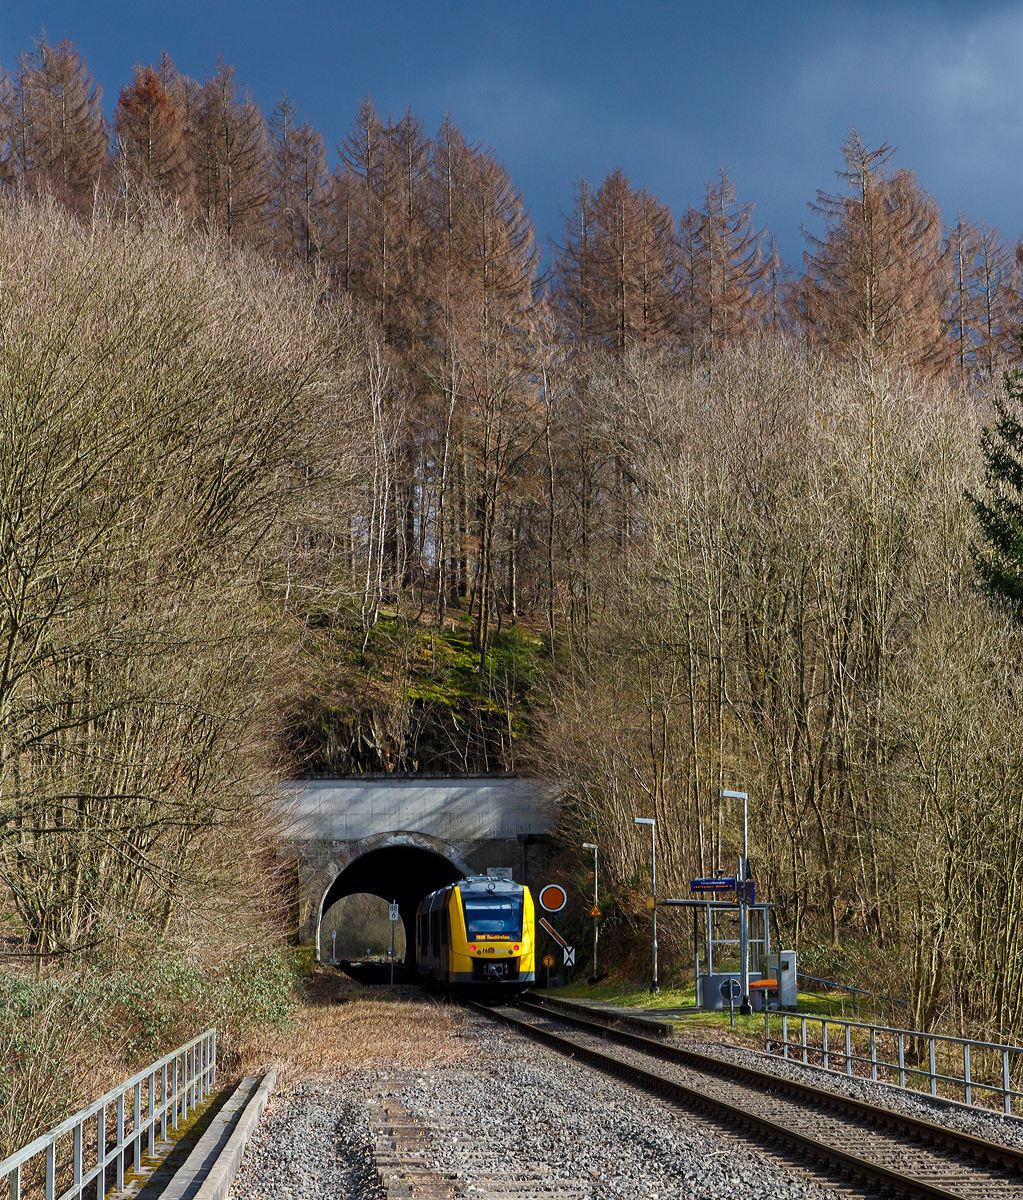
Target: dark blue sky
{"points": [[669, 91]]}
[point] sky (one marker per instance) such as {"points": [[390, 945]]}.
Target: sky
{"points": [[669, 91]]}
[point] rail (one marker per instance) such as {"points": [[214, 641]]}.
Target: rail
{"points": [[998, 1064], [183, 1079]]}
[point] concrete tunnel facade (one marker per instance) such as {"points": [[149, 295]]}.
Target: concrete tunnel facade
{"points": [[401, 838]]}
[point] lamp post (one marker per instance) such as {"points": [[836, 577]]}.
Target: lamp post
{"points": [[653, 886], [596, 914], [743, 900]]}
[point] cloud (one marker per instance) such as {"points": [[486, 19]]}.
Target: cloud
{"points": [[945, 88]]}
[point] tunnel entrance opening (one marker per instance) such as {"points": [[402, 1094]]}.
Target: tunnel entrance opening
{"points": [[401, 873], [359, 927]]}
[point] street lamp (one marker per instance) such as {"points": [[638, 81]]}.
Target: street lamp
{"points": [[743, 900], [653, 885], [596, 906]]}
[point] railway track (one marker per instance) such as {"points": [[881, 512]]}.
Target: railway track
{"points": [[841, 1137]]}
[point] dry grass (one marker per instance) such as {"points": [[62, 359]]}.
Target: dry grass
{"points": [[344, 1027]]}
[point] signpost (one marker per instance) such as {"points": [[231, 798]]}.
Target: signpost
{"points": [[730, 991], [394, 917], [742, 891]]}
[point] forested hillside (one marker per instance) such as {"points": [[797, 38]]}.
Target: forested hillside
{"points": [[309, 465]]}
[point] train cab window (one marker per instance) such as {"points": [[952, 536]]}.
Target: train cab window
{"points": [[494, 915], [435, 931]]}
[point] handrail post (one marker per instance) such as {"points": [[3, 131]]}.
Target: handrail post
{"points": [[76, 1160], [137, 1151], [120, 1142], [802, 1021], [1007, 1105], [14, 1188], [902, 1060], [966, 1073], [848, 1050], [930, 1063], [101, 1153], [824, 1043], [164, 1103], [213, 1039], [152, 1114], [174, 1092], [785, 1034], [51, 1171], [873, 1053]]}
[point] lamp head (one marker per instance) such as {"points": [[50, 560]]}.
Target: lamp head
{"points": [[589, 846], [644, 821]]}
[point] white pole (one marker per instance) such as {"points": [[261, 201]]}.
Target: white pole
{"points": [[745, 1007], [393, 902]]}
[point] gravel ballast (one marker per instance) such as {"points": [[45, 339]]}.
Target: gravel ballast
{"points": [[512, 1119], [982, 1123], [525, 1115], [314, 1146]]}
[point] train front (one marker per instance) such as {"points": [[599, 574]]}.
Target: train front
{"points": [[492, 939]]}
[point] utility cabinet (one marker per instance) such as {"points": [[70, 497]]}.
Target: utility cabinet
{"points": [[783, 967]]}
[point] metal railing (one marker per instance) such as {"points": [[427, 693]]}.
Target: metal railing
{"points": [[856, 991], [161, 1095], [928, 1060]]}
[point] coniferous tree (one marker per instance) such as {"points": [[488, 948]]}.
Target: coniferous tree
{"points": [[999, 558], [150, 124], [230, 155], [617, 265], [723, 269], [574, 268], [875, 284], [996, 287], [57, 132], [299, 186]]}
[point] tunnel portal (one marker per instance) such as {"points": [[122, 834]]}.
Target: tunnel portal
{"points": [[400, 838], [402, 873]]}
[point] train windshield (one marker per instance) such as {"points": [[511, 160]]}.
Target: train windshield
{"points": [[501, 915]]}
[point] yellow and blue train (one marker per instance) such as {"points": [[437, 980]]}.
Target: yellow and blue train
{"points": [[477, 936]]}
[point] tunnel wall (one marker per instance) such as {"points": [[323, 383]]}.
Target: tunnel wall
{"points": [[320, 864]]}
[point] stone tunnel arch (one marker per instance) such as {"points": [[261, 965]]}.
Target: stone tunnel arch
{"points": [[395, 866]]}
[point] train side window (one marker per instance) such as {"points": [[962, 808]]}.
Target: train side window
{"points": [[445, 928], [435, 931]]}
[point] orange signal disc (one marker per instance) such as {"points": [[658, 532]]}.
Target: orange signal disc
{"points": [[553, 897]]}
